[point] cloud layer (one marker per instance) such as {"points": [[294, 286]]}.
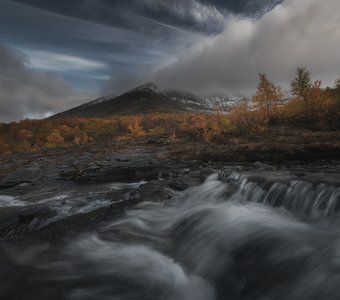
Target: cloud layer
{"points": [[297, 32], [200, 46], [195, 14], [26, 93]]}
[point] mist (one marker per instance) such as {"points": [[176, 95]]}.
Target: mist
{"points": [[295, 33]]}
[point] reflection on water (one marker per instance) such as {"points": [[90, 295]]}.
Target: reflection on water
{"points": [[237, 236]]}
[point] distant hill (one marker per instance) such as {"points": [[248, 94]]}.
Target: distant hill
{"points": [[146, 99]]}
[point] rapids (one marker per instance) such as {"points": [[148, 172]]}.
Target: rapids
{"points": [[239, 235]]}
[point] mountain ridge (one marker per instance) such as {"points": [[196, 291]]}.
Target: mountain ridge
{"points": [[148, 98]]}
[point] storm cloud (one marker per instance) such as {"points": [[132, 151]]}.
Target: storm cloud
{"points": [[297, 32], [100, 47], [26, 93]]}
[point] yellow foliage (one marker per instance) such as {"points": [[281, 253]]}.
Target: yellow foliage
{"points": [[54, 139], [267, 99], [292, 108], [157, 130], [136, 128]]}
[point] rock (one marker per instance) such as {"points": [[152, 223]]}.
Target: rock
{"points": [[26, 219], [178, 185], [153, 141], [262, 165], [18, 177], [186, 171], [120, 159], [205, 173], [92, 167]]}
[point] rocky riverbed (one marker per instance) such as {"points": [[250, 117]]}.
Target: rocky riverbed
{"points": [[137, 221], [100, 181], [97, 181]]}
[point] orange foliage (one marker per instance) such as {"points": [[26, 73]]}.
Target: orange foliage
{"points": [[33, 135], [268, 98], [321, 106], [245, 120]]}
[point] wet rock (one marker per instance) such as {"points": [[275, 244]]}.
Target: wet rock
{"points": [[122, 159], [261, 165], [26, 219], [186, 171], [205, 173], [120, 206], [92, 167], [68, 173], [18, 177], [155, 191], [178, 185], [124, 170], [164, 175]]}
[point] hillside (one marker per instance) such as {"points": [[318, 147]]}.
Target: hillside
{"points": [[148, 98], [144, 99]]}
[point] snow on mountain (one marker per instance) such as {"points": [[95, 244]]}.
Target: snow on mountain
{"points": [[220, 102], [149, 98], [101, 100], [206, 102]]}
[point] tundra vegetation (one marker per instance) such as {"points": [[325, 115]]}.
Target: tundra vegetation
{"points": [[309, 110]]}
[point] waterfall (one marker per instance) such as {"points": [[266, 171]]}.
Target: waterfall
{"points": [[304, 199]]}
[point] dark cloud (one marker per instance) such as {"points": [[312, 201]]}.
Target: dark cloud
{"points": [[25, 93], [204, 16], [200, 45], [120, 49], [298, 32], [191, 14]]}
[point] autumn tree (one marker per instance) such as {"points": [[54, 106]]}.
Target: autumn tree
{"points": [[25, 137], [268, 97], [322, 104], [55, 139], [334, 112], [25, 134], [337, 103], [301, 87], [136, 128], [244, 120], [335, 91], [318, 104]]}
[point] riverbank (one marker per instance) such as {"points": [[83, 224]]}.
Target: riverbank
{"points": [[146, 158], [157, 169], [67, 220]]}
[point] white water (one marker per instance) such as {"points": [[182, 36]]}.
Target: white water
{"points": [[237, 239]]}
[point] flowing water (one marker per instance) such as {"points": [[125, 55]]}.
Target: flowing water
{"points": [[239, 235]]}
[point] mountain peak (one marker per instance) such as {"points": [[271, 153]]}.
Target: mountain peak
{"points": [[149, 85], [148, 98], [146, 87]]}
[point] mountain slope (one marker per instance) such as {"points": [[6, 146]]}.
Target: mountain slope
{"points": [[144, 99]]}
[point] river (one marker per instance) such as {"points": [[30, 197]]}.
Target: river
{"points": [[241, 234]]}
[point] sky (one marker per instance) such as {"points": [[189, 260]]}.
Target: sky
{"points": [[55, 55]]}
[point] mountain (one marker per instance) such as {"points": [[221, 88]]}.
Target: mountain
{"points": [[146, 99], [188, 100]]}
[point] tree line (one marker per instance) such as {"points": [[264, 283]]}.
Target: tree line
{"points": [[308, 105]]}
